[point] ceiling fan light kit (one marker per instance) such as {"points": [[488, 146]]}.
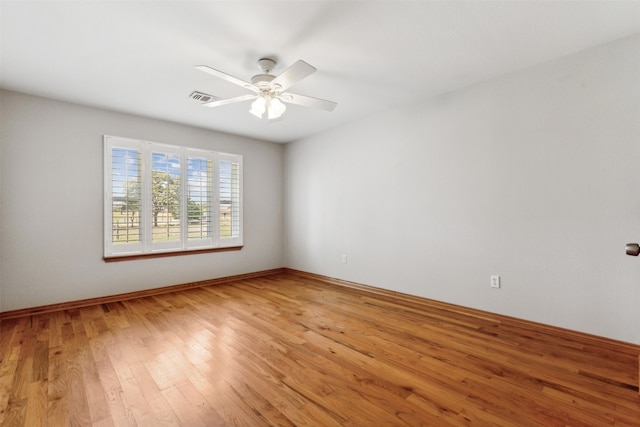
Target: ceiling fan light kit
{"points": [[269, 91], [267, 104]]}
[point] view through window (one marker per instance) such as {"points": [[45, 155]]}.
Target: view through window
{"points": [[162, 198]]}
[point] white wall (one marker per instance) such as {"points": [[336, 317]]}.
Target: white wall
{"points": [[52, 204], [534, 176]]}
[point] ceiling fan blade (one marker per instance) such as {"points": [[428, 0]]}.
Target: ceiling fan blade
{"points": [[228, 77], [221, 102], [307, 101], [293, 74]]}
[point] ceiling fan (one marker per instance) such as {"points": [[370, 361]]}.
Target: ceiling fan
{"points": [[269, 91]]}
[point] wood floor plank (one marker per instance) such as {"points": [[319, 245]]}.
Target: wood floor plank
{"points": [[76, 394], [142, 385], [111, 387], [36, 410], [220, 395], [294, 350], [182, 408], [57, 407]]}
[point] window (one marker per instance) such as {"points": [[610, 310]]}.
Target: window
{"points": [[163, 199]]}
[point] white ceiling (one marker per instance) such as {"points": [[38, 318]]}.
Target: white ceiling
{"points": [[138, 56]]}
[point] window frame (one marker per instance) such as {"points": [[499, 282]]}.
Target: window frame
{"points": [[146, 248]]}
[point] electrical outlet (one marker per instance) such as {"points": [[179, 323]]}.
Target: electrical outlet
{"points": [[495, 281], [344, 258]]}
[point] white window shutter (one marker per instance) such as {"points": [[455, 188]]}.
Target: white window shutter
{"points": [[162, 198]]}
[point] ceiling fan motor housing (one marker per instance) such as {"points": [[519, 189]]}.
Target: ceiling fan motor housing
{"points": [[262, 80]]}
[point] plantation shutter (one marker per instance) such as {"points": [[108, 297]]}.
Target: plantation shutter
{"points": [[165, 225], [230, 201], [162, 198], [123, 204], [199, 201]]}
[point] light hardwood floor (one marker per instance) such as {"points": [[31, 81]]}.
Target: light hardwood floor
{"points": [[293, 350]]}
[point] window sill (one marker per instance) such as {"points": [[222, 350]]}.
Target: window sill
{"points": [[116, 258]]}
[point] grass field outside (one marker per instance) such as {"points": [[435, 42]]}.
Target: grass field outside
{"points": [[128, 230]]}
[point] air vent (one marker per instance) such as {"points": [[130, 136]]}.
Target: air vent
{"points": [[202, 97]]}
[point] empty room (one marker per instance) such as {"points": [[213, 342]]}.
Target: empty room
{"points": [[319, 213]]}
